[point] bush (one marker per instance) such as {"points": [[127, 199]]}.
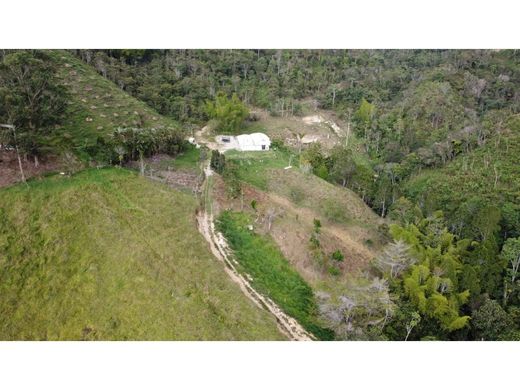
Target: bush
{"points": [[337, 256], [322, 171], [218, 161], [334, 271]]}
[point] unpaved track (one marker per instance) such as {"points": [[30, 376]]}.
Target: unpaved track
{"points": [[218, 245]]}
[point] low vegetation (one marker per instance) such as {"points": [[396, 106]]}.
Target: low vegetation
{"points": [[271, 274], [107, 255]]}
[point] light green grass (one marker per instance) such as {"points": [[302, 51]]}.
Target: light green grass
{"points": [[272, 274], [108, 255], [189, 159], [254, 167]]}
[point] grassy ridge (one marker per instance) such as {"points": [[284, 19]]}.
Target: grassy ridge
{"points": [[271, 273], [107, 255]]}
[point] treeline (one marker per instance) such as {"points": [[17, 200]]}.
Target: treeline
{"points": [[411, 109], [32, 103]]}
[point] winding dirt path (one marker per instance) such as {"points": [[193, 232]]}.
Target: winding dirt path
{"points": [[218, 245]]}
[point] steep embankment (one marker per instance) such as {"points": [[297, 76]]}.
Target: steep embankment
{"points": [[108, 255], [296, 199]]}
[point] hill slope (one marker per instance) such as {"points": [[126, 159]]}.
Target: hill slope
{"points": [[98, 106], [490, 173], [108, 255]]}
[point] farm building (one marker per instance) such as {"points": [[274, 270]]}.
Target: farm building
{"points": [[245, 142]]}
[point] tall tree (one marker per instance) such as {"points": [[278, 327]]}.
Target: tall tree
{"points": [[432, 283], [32, 99], [229, 113]]}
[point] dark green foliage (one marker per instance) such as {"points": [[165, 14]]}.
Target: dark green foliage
{"points": [[229, 113], [490, 321], [343, 166], [33, 100], [130, 144], [317, 225], [337, 256], [259, 257], [218, 161]]}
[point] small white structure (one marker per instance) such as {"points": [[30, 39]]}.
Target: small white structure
{"points": [[255, 141], [245, 142]]}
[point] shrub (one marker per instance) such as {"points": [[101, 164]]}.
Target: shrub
{"points": [[218, 161], [337, 256], [334, 271]]}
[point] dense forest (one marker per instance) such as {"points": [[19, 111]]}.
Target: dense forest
{"points": [[434, 148]]}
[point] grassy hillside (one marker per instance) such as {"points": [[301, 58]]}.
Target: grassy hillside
{"points": [[97, 106], [108, 255], [267, 172]]}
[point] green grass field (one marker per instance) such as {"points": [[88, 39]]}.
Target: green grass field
{"points": [[272, 274], [254, 167], [108, 255]]}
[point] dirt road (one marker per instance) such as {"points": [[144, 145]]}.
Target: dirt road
{"points": [[218, 245]]}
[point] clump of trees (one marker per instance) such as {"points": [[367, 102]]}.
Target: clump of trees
{"points": [[135, 144], [33, 101], [228, 113], [360, 311]]}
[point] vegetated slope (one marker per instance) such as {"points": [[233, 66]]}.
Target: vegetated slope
{"points": [[107, 255], [270, 272], [98, 106], [267, 171], [490, 173], [294, 200]]}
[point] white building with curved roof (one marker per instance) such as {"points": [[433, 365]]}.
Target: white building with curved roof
{"points": [[255, 141], [245, 142]]}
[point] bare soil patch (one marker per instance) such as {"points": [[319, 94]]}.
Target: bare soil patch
{"points": [[10, 172]]}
